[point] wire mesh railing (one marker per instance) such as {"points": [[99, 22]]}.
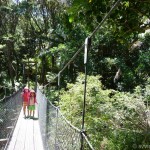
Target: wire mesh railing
{"points": [[57, 133], [42, 115], [87, 45], [67, 137], [10, 108]]}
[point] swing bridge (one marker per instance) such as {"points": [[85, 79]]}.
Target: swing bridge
{"points": [[50, 130]]}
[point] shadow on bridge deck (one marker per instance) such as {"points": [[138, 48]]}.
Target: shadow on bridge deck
{"points": [[26, 135]]}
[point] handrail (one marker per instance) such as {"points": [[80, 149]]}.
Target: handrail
{"points": [[5, 87], [2, 98], [88, 141]]}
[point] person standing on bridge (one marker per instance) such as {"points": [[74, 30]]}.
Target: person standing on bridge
{"points": [[25, 97], [31, 103]]}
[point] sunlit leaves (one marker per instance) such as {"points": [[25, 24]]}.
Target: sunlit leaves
{"points": [[2, 46], [126, 3], [71, 19], [107, 112]]}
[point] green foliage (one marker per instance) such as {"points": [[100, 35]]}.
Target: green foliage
{"points": [[49, 33], [2, 46], [111, 116], [54, 32]]}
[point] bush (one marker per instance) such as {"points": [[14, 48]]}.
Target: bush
{"points": [[113, 120]]}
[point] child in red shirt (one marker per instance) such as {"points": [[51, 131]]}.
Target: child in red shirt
{"points": [[25, 97]]}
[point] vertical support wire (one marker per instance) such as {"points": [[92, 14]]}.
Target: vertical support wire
{"points": [[59, 75], [87, 48], [57, 144]]}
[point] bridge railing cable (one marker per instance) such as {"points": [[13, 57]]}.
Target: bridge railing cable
{"points": [[6, 91], [57, 132], [10, 108]]}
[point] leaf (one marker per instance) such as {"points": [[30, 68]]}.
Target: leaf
{"points": [[5, 8], [71, 19], [126, 4], [2, 46]]}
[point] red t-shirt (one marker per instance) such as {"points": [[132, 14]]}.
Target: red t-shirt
{"points": [[25, 96]]}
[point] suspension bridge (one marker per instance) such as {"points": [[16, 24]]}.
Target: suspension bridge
{"points": [[49, 130]]}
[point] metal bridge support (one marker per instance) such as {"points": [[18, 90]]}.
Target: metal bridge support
{"points": [[86, 50]]}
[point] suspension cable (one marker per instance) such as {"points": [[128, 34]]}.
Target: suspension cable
{"points": [[2, 98], [96, 29], [105, 18], [92, 34]]}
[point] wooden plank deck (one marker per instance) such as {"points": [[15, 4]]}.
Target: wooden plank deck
{"points": [[26, 135]]}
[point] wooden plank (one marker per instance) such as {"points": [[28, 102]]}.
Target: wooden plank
{"points": [[26, 135], [29, 145], [15, 133], [38, 144], [20, 142]]}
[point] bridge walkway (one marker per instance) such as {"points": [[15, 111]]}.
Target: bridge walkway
{"points": [[26, 135]]}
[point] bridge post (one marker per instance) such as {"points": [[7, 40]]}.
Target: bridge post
{"points": [[87, 48]]}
